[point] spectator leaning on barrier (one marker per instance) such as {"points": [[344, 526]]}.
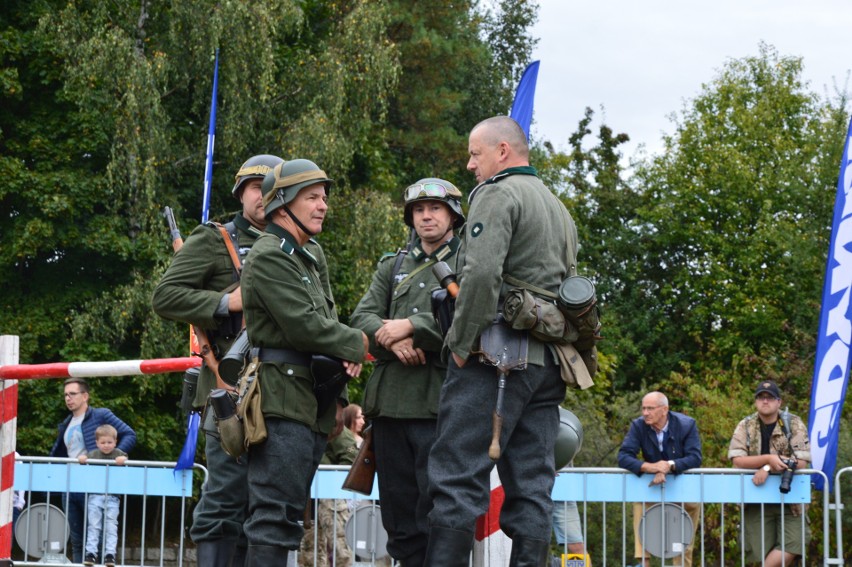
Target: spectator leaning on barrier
{"points": [[103, 508], [77, 437], [201, 287], [669, 444], [762, 441]]}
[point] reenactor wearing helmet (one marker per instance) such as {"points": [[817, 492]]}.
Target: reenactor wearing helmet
{"points": [[518, 235], [201, 287], [401, 395], [290, 316]]}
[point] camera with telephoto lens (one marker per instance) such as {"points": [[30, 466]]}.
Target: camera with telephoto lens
{"points": [[787, 475]]}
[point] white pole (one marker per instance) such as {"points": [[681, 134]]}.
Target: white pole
{"points": [[9, 354]]}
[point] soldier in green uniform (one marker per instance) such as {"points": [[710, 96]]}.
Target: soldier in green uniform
{"points": [[401, 396], [290, 316], [516, 230], [194, 290]]}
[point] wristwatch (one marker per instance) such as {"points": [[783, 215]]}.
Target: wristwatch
{"points": [[671, 466], [766, 468]]}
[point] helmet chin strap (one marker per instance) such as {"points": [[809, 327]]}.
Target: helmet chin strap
{"points": [[297, 221]]}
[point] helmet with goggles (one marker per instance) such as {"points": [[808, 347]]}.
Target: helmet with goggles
{"points": [[434, 189]]}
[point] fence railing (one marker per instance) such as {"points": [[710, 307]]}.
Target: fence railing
{"points": [[154, 500], [155, 508]]}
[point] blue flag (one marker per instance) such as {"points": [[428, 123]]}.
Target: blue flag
{"points": [[186, 460], [522, 107], [211, 139], [831, 367]]}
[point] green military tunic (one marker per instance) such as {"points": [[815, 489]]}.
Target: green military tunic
{"points": [[393, 389], [194, 285], [288, 305], [341, 450], [498, 241]]}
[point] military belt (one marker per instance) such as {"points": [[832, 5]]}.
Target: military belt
{"points": [[282, 355]]}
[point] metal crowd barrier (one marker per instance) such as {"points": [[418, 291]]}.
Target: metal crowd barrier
{"points": [[718, 493], [42, 531], [605, 498]]}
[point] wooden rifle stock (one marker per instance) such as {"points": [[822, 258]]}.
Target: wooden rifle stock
{"points": [[205, 348], [363, 470]]}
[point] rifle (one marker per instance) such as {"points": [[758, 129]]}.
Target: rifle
{"points": [[205, 350], [363, 470]]}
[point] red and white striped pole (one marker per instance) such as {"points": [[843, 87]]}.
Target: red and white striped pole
{"points": [[9, 353], [11, 372], [492, 547]]}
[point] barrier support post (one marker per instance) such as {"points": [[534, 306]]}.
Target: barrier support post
{"points": [[9, 354]]}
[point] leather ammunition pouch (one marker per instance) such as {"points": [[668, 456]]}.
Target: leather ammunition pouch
{"points": [[330, 379]]}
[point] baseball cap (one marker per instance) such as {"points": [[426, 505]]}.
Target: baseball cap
{"points": [[769, 387]]}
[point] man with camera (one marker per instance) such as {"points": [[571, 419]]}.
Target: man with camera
{"points": [[772, 441]]}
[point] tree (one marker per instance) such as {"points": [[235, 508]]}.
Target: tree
{"points": [[731, 234]]}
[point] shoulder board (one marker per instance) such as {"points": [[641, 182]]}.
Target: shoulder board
{"points": [[287, 247], [387, 255]]}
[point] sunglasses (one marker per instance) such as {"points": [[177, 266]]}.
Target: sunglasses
{"points": [[426, 190]]}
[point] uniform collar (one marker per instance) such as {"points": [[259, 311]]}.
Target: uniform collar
{"points": [[443, 252], [520, 170], [243, 224], [289, 244]]}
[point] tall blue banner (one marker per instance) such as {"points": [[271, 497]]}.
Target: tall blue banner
{"points": [[522, 107], [831, 368], [211, 140]]}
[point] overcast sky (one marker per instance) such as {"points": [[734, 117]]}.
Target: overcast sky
{"points": [[641, 60]]}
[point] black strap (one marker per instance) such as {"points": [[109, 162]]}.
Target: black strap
{"points": [[400, 256]]}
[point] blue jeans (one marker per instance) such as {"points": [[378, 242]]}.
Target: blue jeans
{"points": [[103, 517], [75, 511]]}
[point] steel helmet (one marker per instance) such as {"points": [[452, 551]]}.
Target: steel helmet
{"points": [[569, 439], [434, 189], [285, 180], [254, 168]]}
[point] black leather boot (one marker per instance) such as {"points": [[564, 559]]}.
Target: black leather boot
{"points": [[216, 553], [266, 556], [528, 552], [448, 547]]}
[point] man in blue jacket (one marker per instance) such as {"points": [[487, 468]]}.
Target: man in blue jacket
{"points": [[77, 437], [669, 444]]}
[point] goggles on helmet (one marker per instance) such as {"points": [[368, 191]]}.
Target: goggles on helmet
{"points": [[431, 189]]}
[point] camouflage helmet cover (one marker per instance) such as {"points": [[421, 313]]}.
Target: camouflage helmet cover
{"points": [[255, 167], [285, 180], [434, 189]]}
